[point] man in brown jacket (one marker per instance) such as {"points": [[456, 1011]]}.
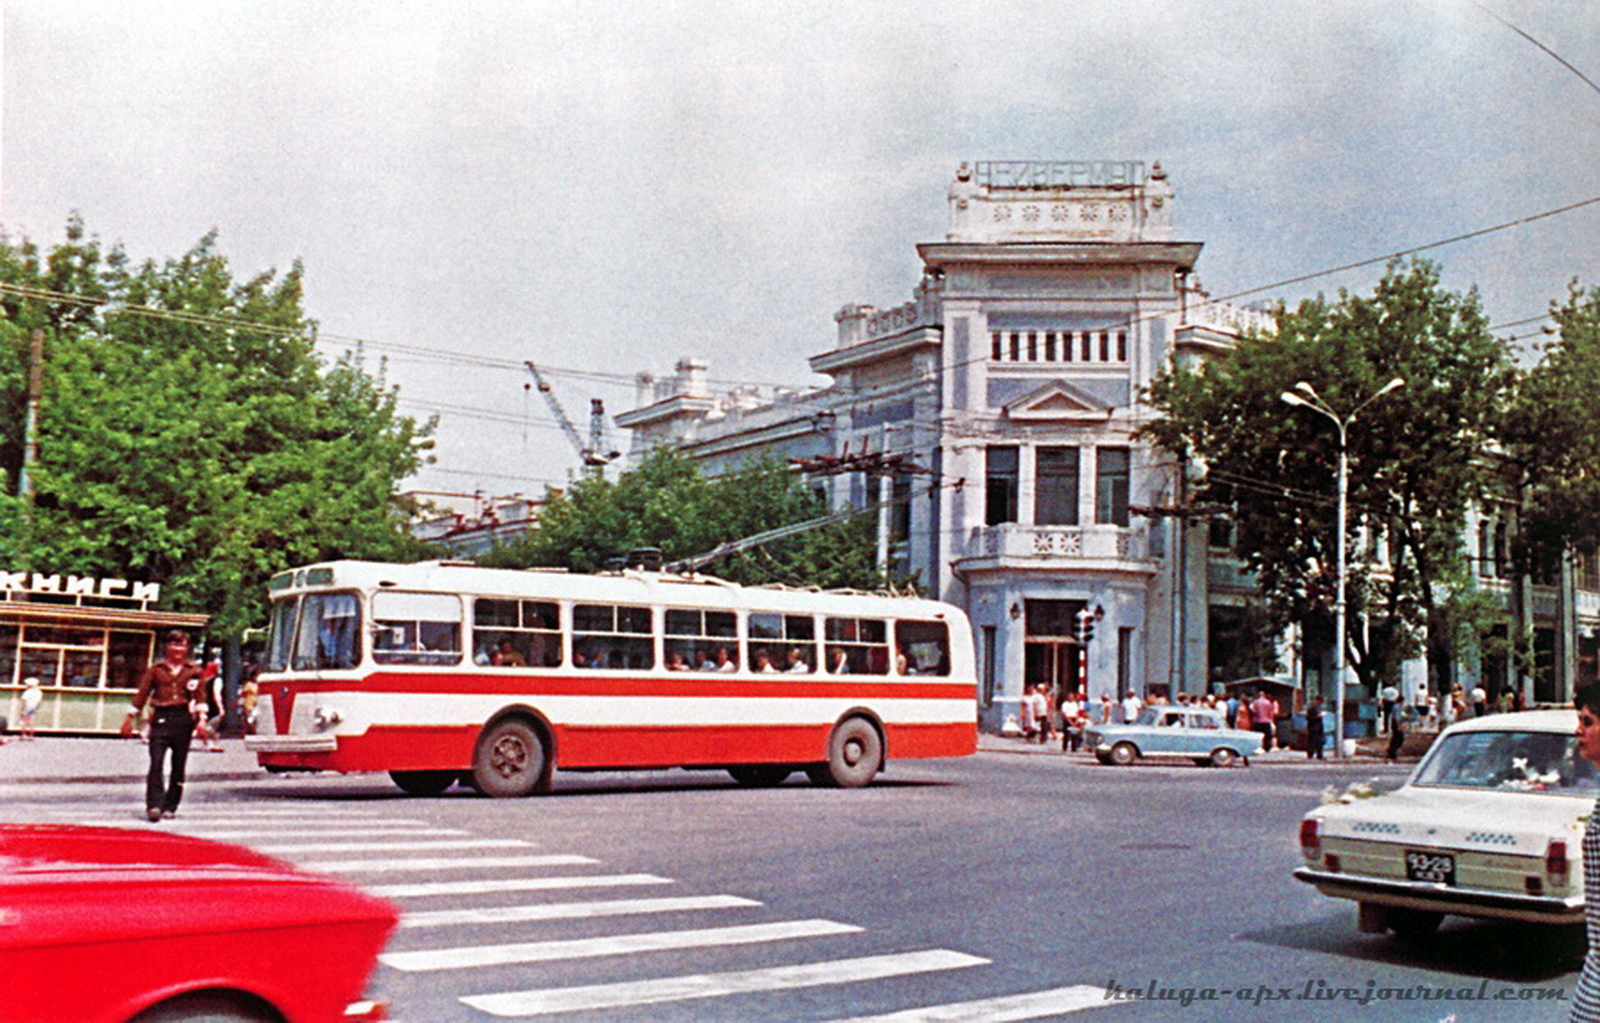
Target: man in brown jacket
{"points": [[172, 688]]}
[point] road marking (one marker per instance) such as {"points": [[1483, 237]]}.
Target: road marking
{"points": [[572, 910], [515, 884], [329, 847], [258, 832], [713, 985], [1033, 1005], [443, 863], [470, 956]]}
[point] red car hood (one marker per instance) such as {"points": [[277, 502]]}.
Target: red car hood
{"points": [[68, 884], [84, 852]]}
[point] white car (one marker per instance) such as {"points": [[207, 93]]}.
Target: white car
{"points": [[1490, 824]]}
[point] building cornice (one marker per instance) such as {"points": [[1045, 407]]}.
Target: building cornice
{"points": [[672, 408], [943, 255], [877, 350]]}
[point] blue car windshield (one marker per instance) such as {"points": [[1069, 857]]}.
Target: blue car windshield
{"points": [[1545, 762]]}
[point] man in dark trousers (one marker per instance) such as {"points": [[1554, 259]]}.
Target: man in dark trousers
{"points": [[1316, 734], [172, 688]]}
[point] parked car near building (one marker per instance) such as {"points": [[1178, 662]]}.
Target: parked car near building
{"points": [[1197, 733], [1490, 824], [108, 925]]}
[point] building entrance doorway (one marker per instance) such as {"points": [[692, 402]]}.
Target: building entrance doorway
{"points": [[1054, 662], [1050, 649]]}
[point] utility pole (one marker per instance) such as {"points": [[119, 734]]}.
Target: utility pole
{"points": [[30, 435]]}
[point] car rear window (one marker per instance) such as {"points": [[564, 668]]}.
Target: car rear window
{"points": [[1541, 762]]}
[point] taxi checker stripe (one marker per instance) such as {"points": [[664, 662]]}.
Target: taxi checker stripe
{"points": [[620, 944], [713, 985]]}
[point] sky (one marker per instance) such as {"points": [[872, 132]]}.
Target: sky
{"points": [[604, 187]]}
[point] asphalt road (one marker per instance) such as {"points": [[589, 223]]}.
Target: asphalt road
{"points": [[1037, 887]]}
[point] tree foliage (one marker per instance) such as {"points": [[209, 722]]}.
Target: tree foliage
{"points": [[1551, 439], [189, 433], [666, 503], [1416, 456]]}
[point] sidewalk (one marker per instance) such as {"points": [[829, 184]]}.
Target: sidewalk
{"points": [[104, 761], [1368, 751]]}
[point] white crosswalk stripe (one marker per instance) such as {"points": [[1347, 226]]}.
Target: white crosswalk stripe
{"points": [[610, 945], [328, 847], [515, 884], [1033, 1005], [572, 910], [235, 835], [714, 985], [432, 863]]}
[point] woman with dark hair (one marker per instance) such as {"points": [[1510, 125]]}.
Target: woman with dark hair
{"points": [[1586, 999]]}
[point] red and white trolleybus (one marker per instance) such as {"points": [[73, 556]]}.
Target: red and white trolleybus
{"points": [[443, 671]]}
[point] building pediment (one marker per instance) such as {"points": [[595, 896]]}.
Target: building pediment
{"points": [[1057, 402]]}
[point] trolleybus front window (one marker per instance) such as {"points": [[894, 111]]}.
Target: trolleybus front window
{"points": [[329, 633], [280, 640]]}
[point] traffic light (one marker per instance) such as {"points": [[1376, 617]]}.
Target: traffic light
{"points": [[1085, 626]]}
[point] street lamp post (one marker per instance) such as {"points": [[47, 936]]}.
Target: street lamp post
{"points": [[1304, 395]]}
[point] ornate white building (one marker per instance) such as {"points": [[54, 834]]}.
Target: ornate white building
{"points": [[991, 418]]}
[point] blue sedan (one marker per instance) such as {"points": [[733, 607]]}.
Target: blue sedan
{"points": [[1173, 731]]}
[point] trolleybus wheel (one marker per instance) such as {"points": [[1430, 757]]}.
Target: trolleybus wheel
{"points": [[855, 755], [424, 783], [509, 760]]}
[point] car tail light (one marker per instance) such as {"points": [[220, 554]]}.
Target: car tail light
{"points": [[1310, 839], [1555, 861]]}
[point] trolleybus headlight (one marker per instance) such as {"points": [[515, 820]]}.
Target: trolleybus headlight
{"points": [[327, 717]]}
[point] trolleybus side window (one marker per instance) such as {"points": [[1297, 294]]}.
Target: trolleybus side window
{"points": [[922, 648], [857, 646], [329, 632], [693, 637], [416, 628], [516, 633], [782, 643], [612, 636]]}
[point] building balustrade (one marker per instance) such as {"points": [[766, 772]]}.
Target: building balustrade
{"points": [[1014, 542]]}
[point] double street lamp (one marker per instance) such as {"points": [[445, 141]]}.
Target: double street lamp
{"points": [[1305, 396]]}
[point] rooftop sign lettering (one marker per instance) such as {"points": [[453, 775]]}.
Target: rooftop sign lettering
{"points": [[1058, 173], [77, 586]]}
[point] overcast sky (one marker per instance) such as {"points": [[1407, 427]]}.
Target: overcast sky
{"points": [[603, 186]]}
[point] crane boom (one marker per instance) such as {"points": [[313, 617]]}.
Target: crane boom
{"points": [[588, 455]]}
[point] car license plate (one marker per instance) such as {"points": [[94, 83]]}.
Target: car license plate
{"points": [[1436, 868]]}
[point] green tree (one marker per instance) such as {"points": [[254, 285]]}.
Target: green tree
{"points": [[1551, 439], [1416, 457], [666, 503], [189, 433]]}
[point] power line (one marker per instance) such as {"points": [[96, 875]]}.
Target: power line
{"points": [[1553, 54]]}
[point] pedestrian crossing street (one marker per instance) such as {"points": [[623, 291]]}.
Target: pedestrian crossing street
{"points": [[439, 876]]}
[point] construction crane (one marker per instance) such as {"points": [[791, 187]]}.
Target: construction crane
{"points": [[594, 455]]}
